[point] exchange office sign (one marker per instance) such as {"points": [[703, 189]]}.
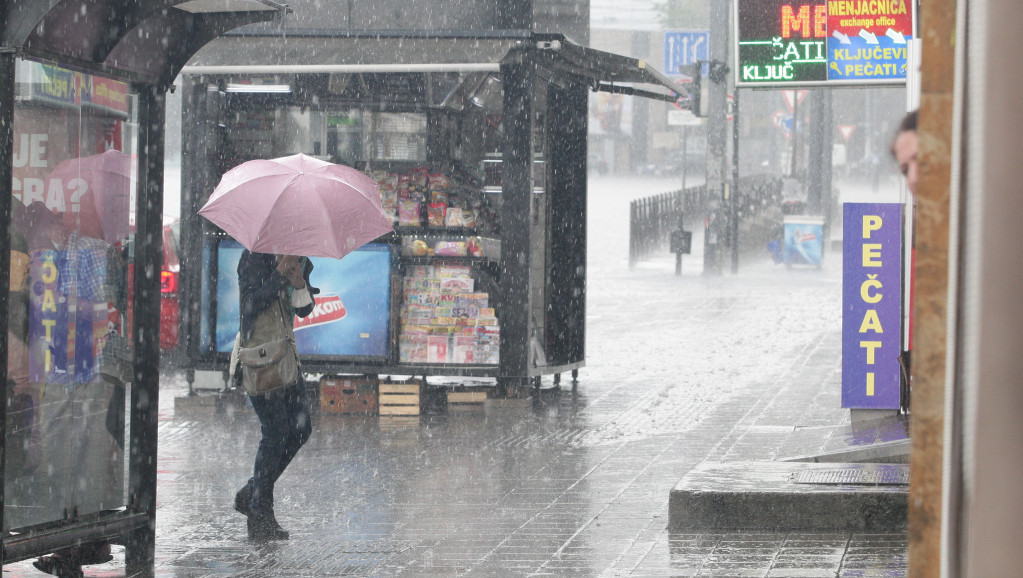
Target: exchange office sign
{"points": [[871, 305], [815, 42]]}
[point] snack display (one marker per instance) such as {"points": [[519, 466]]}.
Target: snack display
{"points": [[420, 198], [444, 319]]}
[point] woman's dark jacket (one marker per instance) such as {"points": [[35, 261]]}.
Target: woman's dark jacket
{"points": [[260, 285]]}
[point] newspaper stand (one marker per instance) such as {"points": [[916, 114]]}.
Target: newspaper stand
{"points": [[479, 145]]}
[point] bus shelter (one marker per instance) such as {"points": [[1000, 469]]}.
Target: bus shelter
{"points": [[478, 144], [82, 85]]}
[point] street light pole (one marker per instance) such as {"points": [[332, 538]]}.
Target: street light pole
{"points": [[735, 183], [682, 200]]}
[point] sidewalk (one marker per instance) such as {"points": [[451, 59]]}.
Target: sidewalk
{"points": [[681, 371]]}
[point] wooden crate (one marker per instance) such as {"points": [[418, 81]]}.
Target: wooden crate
{"points": [[348, 394], [466, 400], [400, 398]]}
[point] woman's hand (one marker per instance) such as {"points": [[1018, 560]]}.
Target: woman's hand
{"points": [[291, 267]]}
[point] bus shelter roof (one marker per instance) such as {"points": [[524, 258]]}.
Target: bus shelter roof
{"points": [[137, 40]]}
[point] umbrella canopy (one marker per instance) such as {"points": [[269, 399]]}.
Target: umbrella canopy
{"points": [[298, 205], [97, 194]]}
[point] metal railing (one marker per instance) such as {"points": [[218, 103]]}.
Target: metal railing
{"points": [[757, 204], [652, 219]]}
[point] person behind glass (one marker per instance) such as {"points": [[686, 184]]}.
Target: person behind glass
{"points": [[904, 151], [272, 286]]}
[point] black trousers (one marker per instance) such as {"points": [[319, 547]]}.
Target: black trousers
{"points": [[286, 425]]}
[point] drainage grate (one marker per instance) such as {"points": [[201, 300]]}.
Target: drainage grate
{"points": [[876, 477]]}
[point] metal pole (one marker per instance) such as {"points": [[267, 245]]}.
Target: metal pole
{"points": [[685, 151], [7, 65], [682, 198], [795, 133], [516, 222], [828, 124], [734, 223], [717, 135], [140, 554]]}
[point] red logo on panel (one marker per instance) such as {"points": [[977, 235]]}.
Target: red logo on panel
{"points": [[328, 309]]}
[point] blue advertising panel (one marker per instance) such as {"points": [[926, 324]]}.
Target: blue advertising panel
{"points": [[804, 240], [871, 305], [352, 313]]}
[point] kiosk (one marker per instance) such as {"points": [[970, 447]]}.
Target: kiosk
{"points": [[478, 143]]}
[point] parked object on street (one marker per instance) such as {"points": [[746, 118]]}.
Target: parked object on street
{"points": [[400, 398], [803, 240], [298, 205], [347, 394]]}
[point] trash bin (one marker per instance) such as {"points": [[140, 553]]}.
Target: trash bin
{"points": [[804, 240]]}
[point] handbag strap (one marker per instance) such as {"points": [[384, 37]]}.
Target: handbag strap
{"points": [[289, 328]]}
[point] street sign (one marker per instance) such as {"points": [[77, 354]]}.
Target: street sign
{"points": [[683, 118], [783, 122], [819, 43], [846, 130], [793, 98], [683, 47], [871, 305]]}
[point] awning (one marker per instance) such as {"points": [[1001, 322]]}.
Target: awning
{"points": [[143, 40], [605, 71], [341, 53], [384, 52]]}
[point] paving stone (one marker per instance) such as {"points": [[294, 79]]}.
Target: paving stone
{"points": [[577, 483]]}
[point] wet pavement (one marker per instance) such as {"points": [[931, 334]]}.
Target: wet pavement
{"points": [[576, 480]]}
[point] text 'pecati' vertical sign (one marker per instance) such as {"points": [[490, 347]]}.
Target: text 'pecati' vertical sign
{"points": [[871, 305], [822, 42]]}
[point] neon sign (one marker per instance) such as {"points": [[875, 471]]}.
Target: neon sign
{"points": [[822, 42]]}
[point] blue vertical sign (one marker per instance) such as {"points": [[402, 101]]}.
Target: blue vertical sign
{"points": [[683, 47], [871, 305]]}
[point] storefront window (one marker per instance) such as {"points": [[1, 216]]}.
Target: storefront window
{"points": [[69, 358]]}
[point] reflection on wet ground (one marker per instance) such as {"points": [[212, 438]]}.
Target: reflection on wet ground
{"points": [[572, 482]]}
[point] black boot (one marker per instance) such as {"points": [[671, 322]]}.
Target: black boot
{"points": [[241, 500], [263, 527]]}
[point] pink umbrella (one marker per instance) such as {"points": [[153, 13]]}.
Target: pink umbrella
{"points": [[298, 205], [97, 194]]}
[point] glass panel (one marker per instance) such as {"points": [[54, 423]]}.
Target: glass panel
{"points": [[448, 229], [71, 266]]}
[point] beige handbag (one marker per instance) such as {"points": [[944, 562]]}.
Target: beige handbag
{"points": [[270, 365]]}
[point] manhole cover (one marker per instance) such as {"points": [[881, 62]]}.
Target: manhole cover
{"points": [[887, 476]]}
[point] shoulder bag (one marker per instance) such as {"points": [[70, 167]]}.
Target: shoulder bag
{"points": [[270, 365]]}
